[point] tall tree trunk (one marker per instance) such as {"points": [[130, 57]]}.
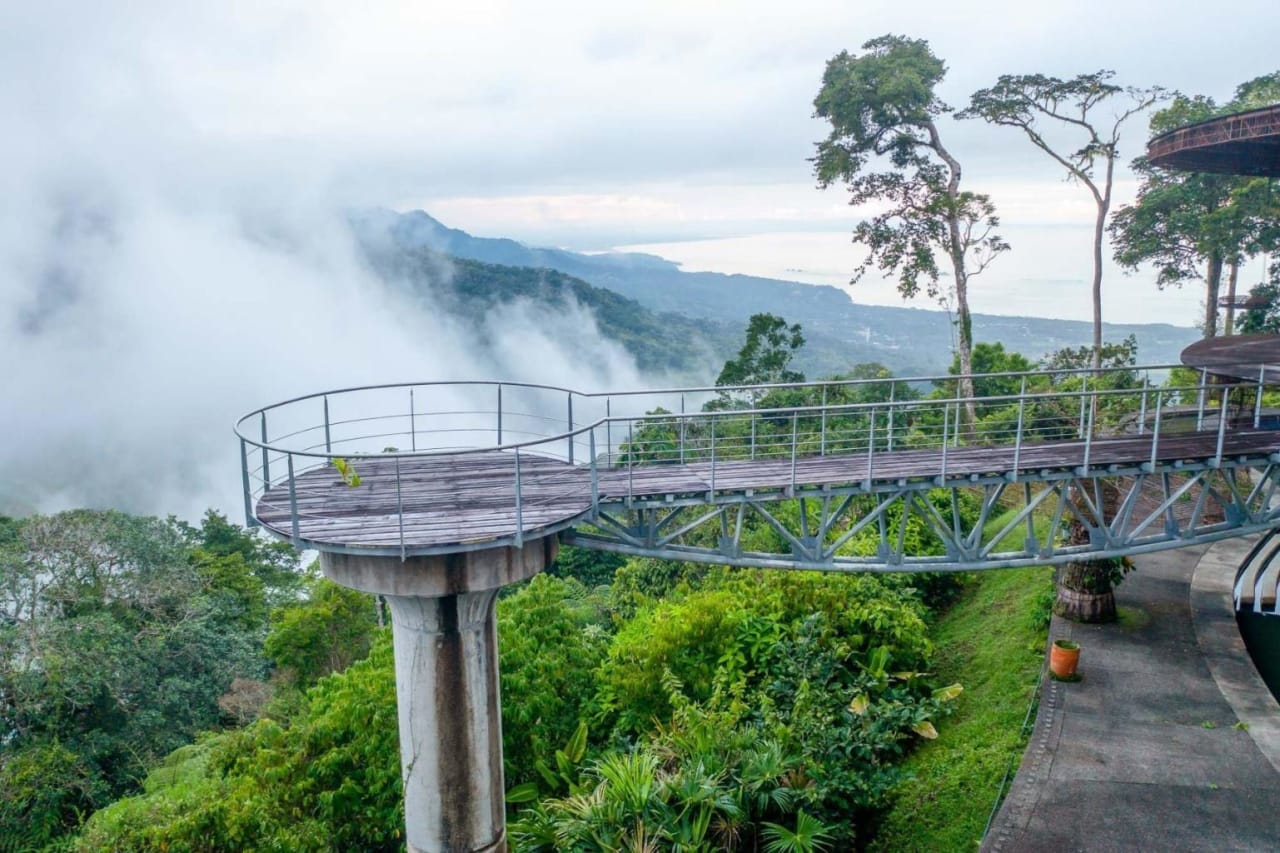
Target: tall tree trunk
{"points": [[1098, 230], [1103, 200], [956, 249], [1212, 283], [1085, 592], [964, 349], [1229, 325]]}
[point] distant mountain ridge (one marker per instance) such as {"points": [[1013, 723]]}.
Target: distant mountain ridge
{"points": [[840, 332]]}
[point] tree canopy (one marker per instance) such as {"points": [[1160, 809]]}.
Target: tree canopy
{"points": [[118, 636], [1041, 105], [1182, 221], [886, 146], [766, 354]]}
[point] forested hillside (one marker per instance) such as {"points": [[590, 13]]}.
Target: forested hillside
{"points": [[840, 332], [471, 290]]}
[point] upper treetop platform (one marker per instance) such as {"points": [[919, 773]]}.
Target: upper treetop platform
{"points": [[1246, 143], [1244, 357], [432, 468]]}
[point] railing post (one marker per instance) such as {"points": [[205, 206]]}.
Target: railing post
{"points": [[249, 520], [1017, 438], [822, 433], [400, 511], [631, 458], [519, 504], [1204, 387], [1084, 401], [1257, 403], [499, 414], [1088, 438], [1155, 429], [893, 387], [682, 426], [608, 429], [946, 428], [753, 425], [413, 423], [713, 455], [1142, 410], [569, 438], [1222, 427], [328, 445], [595, 476], [871, 445], [293, 503], [795, 422], [266, 459]]}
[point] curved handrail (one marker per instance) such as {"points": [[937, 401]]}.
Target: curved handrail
{"points": [[540, 431]]}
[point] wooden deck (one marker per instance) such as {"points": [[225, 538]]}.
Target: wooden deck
{"points": [[469, 499]]}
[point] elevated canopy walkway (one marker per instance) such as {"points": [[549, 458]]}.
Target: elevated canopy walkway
{"points": [[843, 474]]}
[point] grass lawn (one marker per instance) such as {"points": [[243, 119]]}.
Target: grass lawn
{"points": [[990, 642]]}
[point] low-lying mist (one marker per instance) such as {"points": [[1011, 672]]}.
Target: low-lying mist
{"points": [[147, 303], [136, 330]]}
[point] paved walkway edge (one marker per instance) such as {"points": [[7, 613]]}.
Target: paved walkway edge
{"points": [[1033, 772], [1218, 636], [1219, 643]]}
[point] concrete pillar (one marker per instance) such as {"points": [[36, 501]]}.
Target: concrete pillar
{"points": [[446, 652]]}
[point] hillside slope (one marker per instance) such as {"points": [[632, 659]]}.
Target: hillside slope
{"points": [[840, 332]]}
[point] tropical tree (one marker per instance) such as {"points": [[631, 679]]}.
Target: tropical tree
{"points": [[886, 145], [118, 637], [766, 353], [1182, 221], [1032, 101]]}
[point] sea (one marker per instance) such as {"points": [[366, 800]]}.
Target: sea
{"points": [[1047, 273]]}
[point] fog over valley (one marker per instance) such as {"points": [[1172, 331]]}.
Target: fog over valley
{"points": [[179, 183]]}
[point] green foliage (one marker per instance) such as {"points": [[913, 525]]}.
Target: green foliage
{"points": [[122, 635], [703, 783], [642, 581], [553, 637], [1264, 316], [809, 836], [784, 655], [330, 780], [1113, 355], [988, 641], [1181, 220], [883, 110], [766, 355], [591, 568], [325, 633], [346, 471]]}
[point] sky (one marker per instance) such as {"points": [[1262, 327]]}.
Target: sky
{"points": [[171, 243]]}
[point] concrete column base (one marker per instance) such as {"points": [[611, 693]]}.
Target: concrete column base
{"points": [[446, 652]]}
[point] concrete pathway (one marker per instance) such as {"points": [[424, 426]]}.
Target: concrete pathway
{"points": [[1169, 743]]}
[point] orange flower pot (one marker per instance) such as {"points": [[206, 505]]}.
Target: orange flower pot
{"points": [[1064, 655]]}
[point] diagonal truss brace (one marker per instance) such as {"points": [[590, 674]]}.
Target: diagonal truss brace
{"points": [[1123, 513]]}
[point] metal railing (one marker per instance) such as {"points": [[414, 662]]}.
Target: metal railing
{"points": [[1257, 581], [711, 426]]}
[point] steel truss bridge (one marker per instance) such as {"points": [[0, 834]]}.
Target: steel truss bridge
{"points": [[895, 474]]}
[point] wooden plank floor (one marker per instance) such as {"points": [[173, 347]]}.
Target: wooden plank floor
{"points": [[470, 498]]}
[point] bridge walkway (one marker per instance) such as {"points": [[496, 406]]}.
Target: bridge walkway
{"points": [[444, 501]]}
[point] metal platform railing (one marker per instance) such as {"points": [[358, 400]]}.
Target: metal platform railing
{"points": [[709, 426]]}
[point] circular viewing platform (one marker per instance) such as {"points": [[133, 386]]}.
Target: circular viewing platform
{"points": [[442, 468], [1246, 143]]}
